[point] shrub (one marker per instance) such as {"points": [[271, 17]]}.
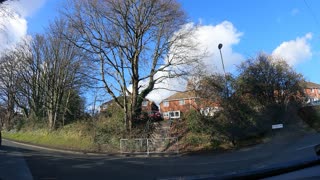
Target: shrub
{"points": [[197, 139], [311, 115], [196, 122], [109, 130]]}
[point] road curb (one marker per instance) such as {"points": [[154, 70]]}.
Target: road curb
{"points": [[91, 153], [51, 149]]}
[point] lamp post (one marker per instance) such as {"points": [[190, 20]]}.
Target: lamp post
{"points": [[224, 71]]}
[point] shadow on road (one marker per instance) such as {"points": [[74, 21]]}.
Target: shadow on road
{"points": [[53, 165], [48, 165]]}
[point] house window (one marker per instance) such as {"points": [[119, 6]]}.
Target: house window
{"points": [[166, 115], [209, 111], [174, 114], [104, 107], [181, 102], [145, 103], [166, 103]]}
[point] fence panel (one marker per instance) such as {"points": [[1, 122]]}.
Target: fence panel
{"points": [[133, 145], [146, 145]]}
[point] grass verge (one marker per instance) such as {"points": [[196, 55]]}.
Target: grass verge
{"points": [[71, 137], [53, 140]]}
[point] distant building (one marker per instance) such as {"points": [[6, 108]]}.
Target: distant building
{"points": [[312, 91], [181, 102], [146, 106]]}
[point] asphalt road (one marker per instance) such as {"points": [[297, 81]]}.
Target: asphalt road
{"points": [[22, 162]]}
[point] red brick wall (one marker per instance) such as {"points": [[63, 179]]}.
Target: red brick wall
{"points": [[315, 93], [193, 103], [148, 108], [175, 106]]}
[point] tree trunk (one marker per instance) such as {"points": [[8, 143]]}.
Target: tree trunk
{"points": [[52, 116], [9, 112], [8, 120], [127, 115], [134, 102], [50, 119]]}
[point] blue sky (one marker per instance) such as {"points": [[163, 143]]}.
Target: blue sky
{"points": [[264, 25], [285, 28]]}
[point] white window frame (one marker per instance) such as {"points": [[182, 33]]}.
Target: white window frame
{"points": [[165, 114], [174, 114], [165, 103], [144, 103], [104, 107], [209, 111], [182, 102]]}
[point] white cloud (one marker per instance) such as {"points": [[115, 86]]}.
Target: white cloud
{"points": [[295, 51], [14, 27], [166, 88], [13, 30], [26, 8], [208, 37]]}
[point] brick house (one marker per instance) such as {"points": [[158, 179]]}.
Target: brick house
{"points": [[312, 91], [181, 102], [147, 106]]}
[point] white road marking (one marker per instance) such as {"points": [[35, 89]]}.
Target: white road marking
{"points": [[306, 147]]}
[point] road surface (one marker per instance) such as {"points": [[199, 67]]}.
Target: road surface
{"points": [[23, 162]]}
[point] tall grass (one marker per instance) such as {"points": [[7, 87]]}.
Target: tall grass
{"points": [[72, 137], [101, 134]]}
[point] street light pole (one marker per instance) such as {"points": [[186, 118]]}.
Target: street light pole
{"points": [[220, 47], [224, 71]]}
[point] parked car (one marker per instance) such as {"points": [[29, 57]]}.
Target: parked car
{"points": [[155, 115], [150, 116]]}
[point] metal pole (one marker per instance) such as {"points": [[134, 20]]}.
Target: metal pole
{"points": [[147, 146], [224, 71], [121, 146]]}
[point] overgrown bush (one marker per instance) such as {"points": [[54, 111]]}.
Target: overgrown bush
{"points": [[109, 129], [311, 115], [22, 123], [198, 139], [196, 122]]}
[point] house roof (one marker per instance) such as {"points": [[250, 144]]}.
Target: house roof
{"points": [[181, 95], [121, 98], [312, 85]]}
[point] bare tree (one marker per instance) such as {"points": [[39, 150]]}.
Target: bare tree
{"points": [[8, 88], [52, 72], [31, 80], [4, 9], [135, 43]]}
